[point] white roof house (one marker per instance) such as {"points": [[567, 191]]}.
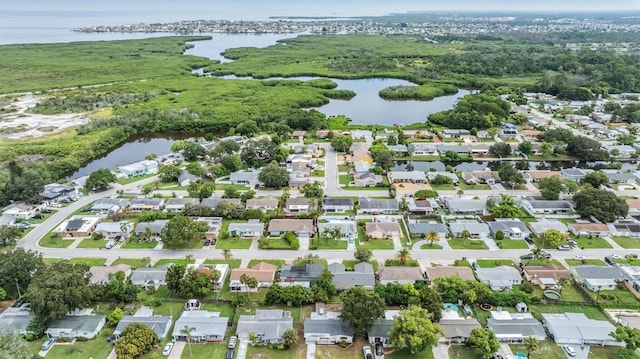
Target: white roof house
{"points": [[576, 328], [499, 278], [207, 326]]}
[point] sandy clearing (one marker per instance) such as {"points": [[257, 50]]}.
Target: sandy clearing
{"points": [[22, 124]]}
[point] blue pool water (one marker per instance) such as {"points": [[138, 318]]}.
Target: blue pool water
{"points": [[452, 306]]}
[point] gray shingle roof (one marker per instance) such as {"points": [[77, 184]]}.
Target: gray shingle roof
{"points": [[428, 227], [368, 203], [507, 226], [337, 202], [332, 326], [597, 272]]}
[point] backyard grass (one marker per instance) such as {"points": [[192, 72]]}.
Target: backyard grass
{"points": [[430, 246], [603, 352], [55, 242], [349, 263], [512, 244], [459, 243], [377, 244], [594, 262], [627, 242], [134, 263], [616, 296], [182, 261], [97, 348], [92, 243], [132, 243], [492, 263], [592, 312], [91, 262], [594, 242], [571, 294], [345, 179], [548, 350], [322, 243], [276, 262], [343, 168], [233, 263], [234, 243]]}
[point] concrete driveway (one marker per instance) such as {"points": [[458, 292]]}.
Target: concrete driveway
{"points": [[178, 347]]}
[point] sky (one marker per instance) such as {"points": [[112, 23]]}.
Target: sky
{"points": [[321, 8]]}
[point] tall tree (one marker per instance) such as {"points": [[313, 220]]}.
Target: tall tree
{"points": [[181, 230], [362, 254], [174, 276], [99, 180], [274, 176], [432, 237], [136, 339], [630, 336], [413, 328], [192, 151], [361, 308], [500, 149], [553, 238], [17, 269], [551, 188], [168, 173], [24, 184], [13, 346], [227, 255], [195, 284], [509, 174], [484, 341], [9, 234], [290, 337], [507, 208], [342, 143], [604, 205], [403, 256], [595, 179], [186, 331]]}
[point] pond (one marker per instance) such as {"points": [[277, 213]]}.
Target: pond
{"points": [[133, 150], [215, 47]]}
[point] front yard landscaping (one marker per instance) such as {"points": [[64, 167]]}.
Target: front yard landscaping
{"points": [[459, 243], [54, 241], [512, 244], [91, 262], [274, 243], [328, 243], [92, 243], [345, 179], [134, 263], [430, 246], [627, 242], [96, 348], [234, 243], [594, 262], [492, 263], [376, 244], [594, 242]]}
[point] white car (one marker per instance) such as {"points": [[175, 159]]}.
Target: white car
{"points": [[367, 352], [570, 351], [579, 258], [167, 349], [615, 256]]}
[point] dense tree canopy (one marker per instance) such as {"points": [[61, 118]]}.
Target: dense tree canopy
{"points": [[181, 230], [342, 143], [595, 179], [274, 176], [551, 187], [17, 269], [601, 204], [484, 341], [361, 308], [480, 111], [99, 180], [413, 328], [135, 340], [24, 184]]}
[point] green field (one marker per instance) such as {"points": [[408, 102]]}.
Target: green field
{"points": [[627, 242], [92, 243], [234, 243], [512, 244], [458, 243]]}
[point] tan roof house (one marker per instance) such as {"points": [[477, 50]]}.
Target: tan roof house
{"points": [[264, 272], [545, 276], [360, 152], [382, 230], [100, 274], [634, 206], [432, 273], [266, 203], [301, 227], [589, 229], [399, 275]]}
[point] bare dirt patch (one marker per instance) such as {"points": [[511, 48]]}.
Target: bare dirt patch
{"points": [[16, 122]]}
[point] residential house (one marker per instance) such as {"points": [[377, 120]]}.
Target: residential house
{"points": [[433, 175], [146, 204], [360, 152], [515, 327], [432, 273], [213, 225], [383, 230], [531, 135], [298, 178], [399, 275], [264, 272], [208, 269], [366, 179], [358, 135], [114, 229], [213, 201], [362, 167], [535, 206], [327, 328], [465, 206], [377, 206], [597, 278], [546, 276], [460, 149], [141, 168], [479, 177], [56, 192], [20, 210], [615, 176], [507, 133], [589, 229], [337, 205], [100, 274], [407, 177], [348, 230], [631, 274], [178, 204], [160, 324], [248, 178], [574, 174], [421, 206], [625, 228], [536, 176], [510, 228], [203, 326], [458, 330], [150, 277], [298, 134], [417, 134], [303, 228], [620, 150], [422, 228], [361, 276], [77, 226], [110, 205], [456, 133], [251, 229], [154, 228], [540, 227], [77, 326], [577, 329], [303, 275], [297, 205], [241, 140], [16, 319], [423, 149], [398, 150], [267, 326], [379, 333], [500, 277], [185, 178], [479, 149], [268, 203], [475, 229], [634, 207]]}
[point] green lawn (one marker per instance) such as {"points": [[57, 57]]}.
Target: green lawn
{"points": [[406, 354], [182, 261], [459, 243], [627, 242], [442, 187], [594, 242], [548, 350], [492, 263], [429, 246], [237, 187], [322, 243], [93, 243], [595, 262], [132, 243], [345, 179], [477, 187], [317, 173], [462, 352], [376, 244], [603, 352], [616, 296], [197, 244], [275, 262], [134, 179], [234, 263], [91, 262], [51, 260], [571, 294], [205, 351], [234, 243], [592, 312], [226, 310], [134, 263], [512, 244], [349, 263], [343, 168], [55, 242], [276, 243], [97, 348]]}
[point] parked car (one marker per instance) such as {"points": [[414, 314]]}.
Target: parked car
{"points": [[232, 342], [526, 256], [579, 258], [564, 248], [110, 244], [378, 348], [230, 353], [572, 243], [167, 349], [631, 255], [367, 352], [615, 256], [48, 344], [207, 242], [570, 351]]}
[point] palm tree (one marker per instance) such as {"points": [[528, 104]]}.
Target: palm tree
{"points": [[433, 237], [465, 234], [336, 233], [326, 234], [460, 193], [187, 332], [404, 256], [215, 277], [410, 150], [563, 282], [531, 345], [227, 256], [536, 253], [309, 258], [124, 228], [243, 279], [252, 283]]}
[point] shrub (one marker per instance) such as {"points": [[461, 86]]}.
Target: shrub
{"points": [[343, 344], [292, 240]]}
